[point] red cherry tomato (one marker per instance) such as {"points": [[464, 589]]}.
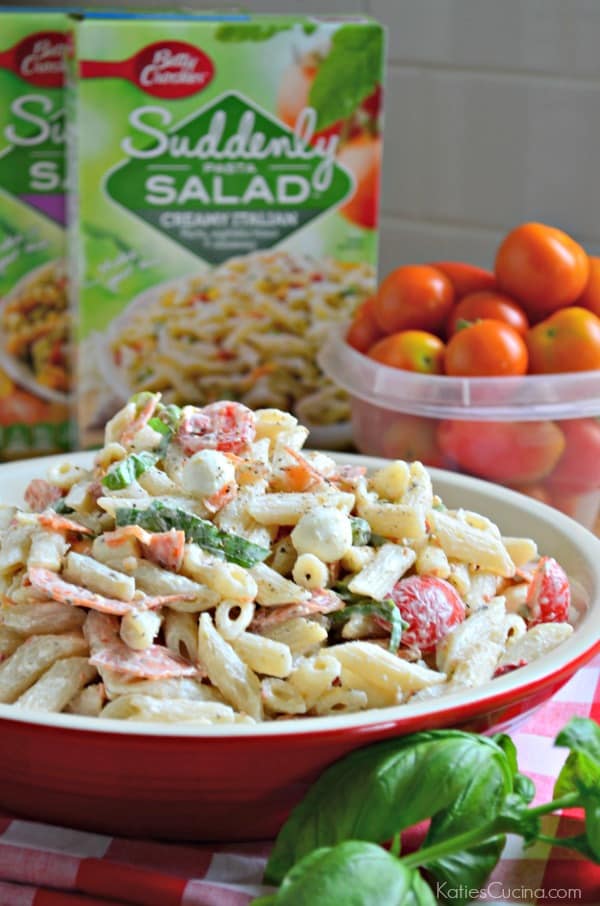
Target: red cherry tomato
{"points": [[506, 452], [414, 297], [466, 278], [364, 330], [486, 349], [430, 606], [228, 427], [549, 595], [497, 306], [412, 350], [411, 437], [578, 469], [590, 297]]}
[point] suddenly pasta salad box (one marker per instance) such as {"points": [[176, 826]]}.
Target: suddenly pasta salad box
{"points": [[34, 374], [225, 207]]}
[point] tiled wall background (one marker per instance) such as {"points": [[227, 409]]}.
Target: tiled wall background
{"points": [[492, 118]]}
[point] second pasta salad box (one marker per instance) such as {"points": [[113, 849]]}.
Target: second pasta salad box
{"points": [[224, 211], [34, 325]]}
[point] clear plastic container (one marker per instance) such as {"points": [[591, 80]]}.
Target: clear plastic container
{"points": [[539, 434]]}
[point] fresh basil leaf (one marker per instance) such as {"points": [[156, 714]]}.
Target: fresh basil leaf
{"points": [[123, 473], [61, 507], [581, 770], [157, 424], [361, 531], [348, 74], [375, 792], [581, 774], [160, 518], [353, 873], [386, 609]]}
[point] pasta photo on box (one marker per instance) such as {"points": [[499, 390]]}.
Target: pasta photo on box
{"points": [[35, 376]]}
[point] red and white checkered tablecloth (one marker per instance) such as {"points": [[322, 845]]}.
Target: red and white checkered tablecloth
{"points": [[43, 865]]}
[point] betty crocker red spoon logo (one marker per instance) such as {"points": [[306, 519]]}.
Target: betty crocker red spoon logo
{"points": [[38, 59], [165, 69]]}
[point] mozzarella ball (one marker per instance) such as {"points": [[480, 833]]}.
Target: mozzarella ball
{"points": [[325, 532], [139, 628], [310, 572], [206, 472]]}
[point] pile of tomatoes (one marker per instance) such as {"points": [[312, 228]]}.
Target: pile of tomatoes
{"points": [[538, 312]]}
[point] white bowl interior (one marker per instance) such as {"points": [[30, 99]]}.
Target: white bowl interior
{"points": [[556, 535]]}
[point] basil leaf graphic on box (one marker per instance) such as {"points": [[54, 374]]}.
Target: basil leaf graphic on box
{"points": [[364, 874], [376, 792], [257, 31], [242, 182], [348, 74]]}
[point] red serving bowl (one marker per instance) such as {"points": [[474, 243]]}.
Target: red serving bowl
{"points": [[239, 782]]}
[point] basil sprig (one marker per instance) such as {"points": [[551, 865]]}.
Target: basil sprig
{"points": [[159, 517], [470, 788], [358, 604], [123, 473]]}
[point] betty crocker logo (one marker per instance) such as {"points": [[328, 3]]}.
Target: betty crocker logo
{"points": [[167, 69], [38, 59]]}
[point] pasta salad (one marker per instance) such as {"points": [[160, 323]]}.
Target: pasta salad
{"points": [[35, 323], [249, 330], [207, 568]]}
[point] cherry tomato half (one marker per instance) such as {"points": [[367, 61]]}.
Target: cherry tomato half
{"points": [[542, 268], [549, 595], [430, 606], [486, 348], [415, 296]]}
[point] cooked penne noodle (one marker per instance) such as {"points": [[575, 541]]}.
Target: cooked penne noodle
{"points": [[32, 658], [58, 685], [232, 677]]}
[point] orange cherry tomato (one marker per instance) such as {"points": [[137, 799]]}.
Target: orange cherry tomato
{"points": [[415, 296], [486, 348], [569, 340], [364, 330], [497, 306], [578, 469], [466, 278], [542, 268], [362, 156], [412, 437], [590, 297], [412, 350], [508, 452]]}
